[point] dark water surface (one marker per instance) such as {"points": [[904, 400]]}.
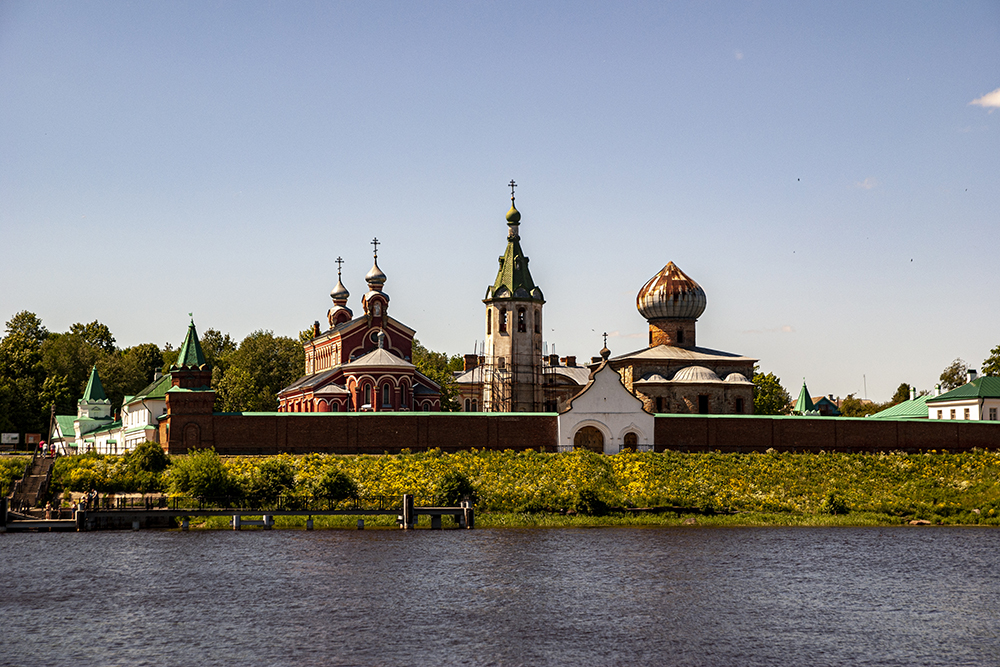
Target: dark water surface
{"points": [[610, 596]]}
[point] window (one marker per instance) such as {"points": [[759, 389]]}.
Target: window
{"points": [[522, 321], [680, 335], [966, 415], [368, 394], [489, 321], [468, 405], [659, 404], [703, 405], [503, 320], [538, 321], [952, 413], [386, 396], [631, 440], [475, 406], [334, 406], [939, 414], [739, 406], [993, 414]]}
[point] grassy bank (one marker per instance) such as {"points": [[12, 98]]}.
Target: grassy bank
{"points": [[537, 489]]}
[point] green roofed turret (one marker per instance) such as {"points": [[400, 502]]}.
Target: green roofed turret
{"points": [[804, 404], [513, 279], [95, 390], [190, 354]]}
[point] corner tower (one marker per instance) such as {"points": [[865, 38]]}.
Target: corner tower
{"points": [[512, 372]]}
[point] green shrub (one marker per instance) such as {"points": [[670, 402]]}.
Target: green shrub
{"points": [[833, 504], [452, 488], [335, 485], [268, 482], [590, 502], [147, 457], [201, 474]]}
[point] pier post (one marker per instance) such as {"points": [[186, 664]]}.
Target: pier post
{"points": [[436, 522], [309, 523], [268, 521], [135, 524], [236, 522], [409, 519], [185, 524], [361, 524]]}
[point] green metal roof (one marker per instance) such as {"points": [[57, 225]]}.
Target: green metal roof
{"points": [[65, 423], [94, 390], [985, 386], [913, 409], [513, 278], [156, 389], [804, 403], [190, 353]]}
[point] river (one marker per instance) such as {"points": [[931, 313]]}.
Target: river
{"points": [[606, 596]]}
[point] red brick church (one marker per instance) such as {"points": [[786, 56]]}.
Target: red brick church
{"points": [[361, 364]]}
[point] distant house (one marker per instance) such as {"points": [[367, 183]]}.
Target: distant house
{"points": [[978, 399], [92, 423]]}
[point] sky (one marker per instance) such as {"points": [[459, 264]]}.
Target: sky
{"points": [[827, 172]]}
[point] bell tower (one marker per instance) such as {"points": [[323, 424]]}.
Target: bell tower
{"points": [[512, 370]]}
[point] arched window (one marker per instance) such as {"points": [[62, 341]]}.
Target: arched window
{"points": [[631, 439], [475, 405], [468, 404], [427, 406], [368, 394], [334, 406], [680, 335], [503, 320], [386, 396], [522, 321]]}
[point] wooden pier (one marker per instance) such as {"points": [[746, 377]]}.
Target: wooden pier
{"points": [[145, 516]]}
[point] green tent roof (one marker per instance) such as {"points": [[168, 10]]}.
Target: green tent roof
{"points": [[191, 354], [804, 402], [513, 278], [94, 390]]}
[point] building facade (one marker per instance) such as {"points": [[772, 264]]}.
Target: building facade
{"points": [[361, 364]]}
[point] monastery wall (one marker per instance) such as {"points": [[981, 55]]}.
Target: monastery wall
{"points": [[376, 433]]}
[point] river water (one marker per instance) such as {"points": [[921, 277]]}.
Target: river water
{"points": [[608, 596]]}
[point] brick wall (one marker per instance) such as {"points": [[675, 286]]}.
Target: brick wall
{"points": [[375, 433]]}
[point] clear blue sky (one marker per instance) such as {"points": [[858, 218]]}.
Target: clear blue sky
{"points": [[819, 168]]}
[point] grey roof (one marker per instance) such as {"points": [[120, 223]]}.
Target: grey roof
{"points": [[378, 357], [332, 389], [691, 354], [313, 380]]}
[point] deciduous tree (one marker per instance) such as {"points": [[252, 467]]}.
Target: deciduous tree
{"points": [[440, 368], [261, 366], [954, 375], [991, 364], [769, 397]]}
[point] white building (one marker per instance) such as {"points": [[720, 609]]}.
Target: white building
{"points": [[978, 399]]}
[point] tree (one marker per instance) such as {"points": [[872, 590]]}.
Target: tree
{"points": [[218, 347], [855, 407], [95, 335], [440, 368], [954, 375], [22, 375], [902, 394], [261, 366], [129, 371], [452, 488], [769, 397], [991, 364], [268, 481], [335, 485], [202, 474]]}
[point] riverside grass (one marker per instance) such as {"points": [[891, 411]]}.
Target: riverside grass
{"points": [[535, 489]]}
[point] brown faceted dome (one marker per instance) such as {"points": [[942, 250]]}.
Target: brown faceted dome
{"points": [[671, 294]]}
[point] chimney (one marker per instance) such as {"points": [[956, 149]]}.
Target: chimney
{"points": [[553, 360], [471, 361], [316, 329], [970, 375], [937, 390], [913, 393], [571, 361]]}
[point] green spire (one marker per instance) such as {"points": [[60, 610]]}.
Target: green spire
{"points": [[190, 354], [94, 390], [804, 403], [513, 278]]}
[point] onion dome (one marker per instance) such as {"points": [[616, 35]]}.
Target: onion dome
{"points": [[696, 374], [375, 276], [339, 293], [671, 294], [513, 215]]}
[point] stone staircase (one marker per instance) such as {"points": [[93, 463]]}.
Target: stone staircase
{"points": [[31, 489]]}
